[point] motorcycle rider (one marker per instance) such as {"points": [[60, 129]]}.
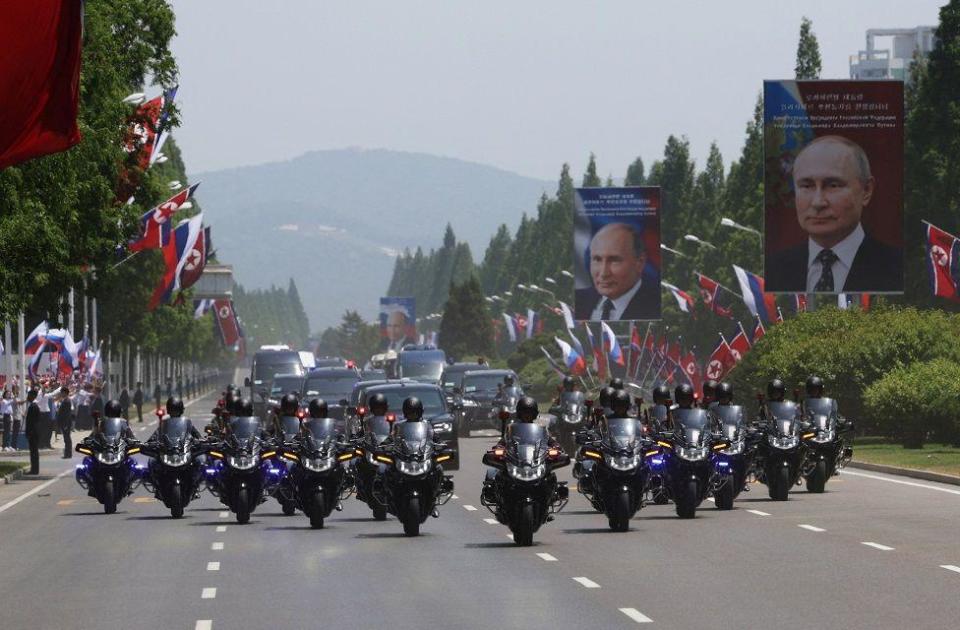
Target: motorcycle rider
{"points": [[709, 394], [776, 392], [412, 410], [174, 410], [112, 410], [603, 410], [289, 406], [318, 408], [724, 394], [527, 411], [683, 395], [616, 383], [659, 417]]}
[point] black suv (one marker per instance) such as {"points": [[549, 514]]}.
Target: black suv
{"points": [[475, 397]]}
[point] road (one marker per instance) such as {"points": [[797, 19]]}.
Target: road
{"points": [[873, 552]]}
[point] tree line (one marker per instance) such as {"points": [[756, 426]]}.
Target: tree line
{"points": [[272, 316]]}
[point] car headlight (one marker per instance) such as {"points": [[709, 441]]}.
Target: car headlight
{"points": [[735, 448], [470, 403], [242, 462], [108, 457], [824, 436], [443, 427], [414, 468], [785, 442], [317, 464], [273, 402], [174, 459], [622, 462], [692, 453], [526, 473]]}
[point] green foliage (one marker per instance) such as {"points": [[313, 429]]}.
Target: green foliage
{"points": [[912, 401], [808, 52], [353, 339], [427, 277], [466, 328], [273, 316], [590, 177]]}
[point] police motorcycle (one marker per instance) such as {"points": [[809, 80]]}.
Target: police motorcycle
{"points": [[826, 434], [569, 415], [108, 472], [317, 479], [682, 464], [616, 479], [285, 427], [659, 420], [412, 485], [595, 415], [733, 463], [174, 475], [782, 448], [377, 426], [523, 492], [505, 402], [240, 470]]}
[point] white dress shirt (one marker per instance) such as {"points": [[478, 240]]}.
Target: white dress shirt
{"points": [[619, 304], [6, 407], [845, 250]]}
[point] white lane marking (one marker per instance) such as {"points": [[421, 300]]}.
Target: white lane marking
{"points": [[711, 500], [546, 557], [950, 567], [204, 624], [636, 615], [903, 483], [812, 528], [469, 508], [510, 536], [455, 497], [490, 521], [221, 529], [758, 512], [217, 546], [46, 484], [213, 566], [208, 593], [877, 546], [224, 514], [586, 582]]}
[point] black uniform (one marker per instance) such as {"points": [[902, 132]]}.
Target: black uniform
{"points": [[138, 402], [125, 403], [65, 426], [32, 429]]}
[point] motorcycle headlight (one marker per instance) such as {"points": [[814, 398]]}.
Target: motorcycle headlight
{"points": [[414, 468], [571, 418], [692, 453], [526, 473], [785, 442], [443, 427], [825, 435], [317, 464], [371, 459], [174, 459], [108, 457], [242, 462], [470, 403], [622, 462], [735, 448]]}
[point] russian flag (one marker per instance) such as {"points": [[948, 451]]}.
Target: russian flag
{"points": [[610, 344], [36, 340], [175, 257], [532, 321], [511, 329], [567, 315], [761, 304], [574, 361], [684, 300]]}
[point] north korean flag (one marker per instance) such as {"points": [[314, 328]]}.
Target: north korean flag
{"points": [[739, 345], [155, 223], [227, 322], [196, 260], [943, 260], [175, 252], [691, 370], [721, 361]]}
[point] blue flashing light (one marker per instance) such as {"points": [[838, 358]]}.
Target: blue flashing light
{"points": [[656, 462], [723, 464]]}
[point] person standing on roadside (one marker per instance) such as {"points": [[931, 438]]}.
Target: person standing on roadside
{"points": [[33, 431], [6, 413], [45, 401], [125, 402], [138, 401], [156, 394], [17, 416], [65, 422]]}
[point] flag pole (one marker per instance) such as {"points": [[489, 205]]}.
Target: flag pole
{"points": [[643, 348]]}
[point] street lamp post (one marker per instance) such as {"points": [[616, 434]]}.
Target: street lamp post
{"points": [[672, 251], [567, 274], [730, 223], [698, 241]]}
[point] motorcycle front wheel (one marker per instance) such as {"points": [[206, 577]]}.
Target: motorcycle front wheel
{"points": [[723, 497], [109, 498], [316, 510], [411, 517], [817, 480], [687, 503], [243, 506], [523, 532], [620, 521], [778, 485], [176, 501]]}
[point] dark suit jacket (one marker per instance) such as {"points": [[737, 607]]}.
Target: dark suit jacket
{"points": [[876, 268], [644, 305]]}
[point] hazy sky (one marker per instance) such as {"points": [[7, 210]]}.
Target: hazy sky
{"points": [[523, 85]]}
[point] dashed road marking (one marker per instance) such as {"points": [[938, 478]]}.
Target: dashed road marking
{"points": [[455, 497], [510, 536], [208, 593], [490, 521], [221, 529], [711, 499], [213, 566], [204, 624], [144, 500], [950, 567], [469, 508], [546, 557], [224, 514], [877, 546], [66, 501], [586, 582], [811, 528], [758, 512], [217, 546], [636, 615]]}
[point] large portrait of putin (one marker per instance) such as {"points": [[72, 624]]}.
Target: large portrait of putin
{"points": [[833, 196], [617, 254], [397, 323]]}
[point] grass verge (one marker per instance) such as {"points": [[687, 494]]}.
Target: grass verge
{"points": [[8, 467], [938, 458]]}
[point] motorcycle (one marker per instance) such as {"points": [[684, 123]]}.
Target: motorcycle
{"points": [[524, 493], [825, 438], [108, 472], [506, 402], [570, 415], [782, 452], [365, 467], [318, 481], [286, 428], [173, 474], [732, 463], [616, 482], [413, 485], [682, 466], [239, 472], [660, 422]]}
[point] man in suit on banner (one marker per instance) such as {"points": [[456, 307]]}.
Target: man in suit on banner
{"points": [[833, 185], [619, 292]]}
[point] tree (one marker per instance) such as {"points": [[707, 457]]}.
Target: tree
{"points": [[466, 328], [635, 174], [808, 52], [590, 177]]}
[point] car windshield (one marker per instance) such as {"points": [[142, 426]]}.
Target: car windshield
{"points": [[330, 388], [284, 385], [432, 399], [429, 370], [266, 369], [482, 382]]}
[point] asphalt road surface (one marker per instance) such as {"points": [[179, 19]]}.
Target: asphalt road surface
{"points": [[873, 552]]}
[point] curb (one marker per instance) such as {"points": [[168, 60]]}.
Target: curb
{"points": [[907, 472], [10, 478]]}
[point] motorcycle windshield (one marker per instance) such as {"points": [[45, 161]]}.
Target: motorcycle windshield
{"points": [[111, 429], [730, 418], [659, 413], [821, 407], [290, 426], [175, 430], [527, 442], [783, 416], [691, 424], [414, 437], [320, 431], [378, 429], [620, 433], [245, 428]]}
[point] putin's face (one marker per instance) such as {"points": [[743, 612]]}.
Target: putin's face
{"points": [[614, 264], [830, 191], [396, 323]]}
